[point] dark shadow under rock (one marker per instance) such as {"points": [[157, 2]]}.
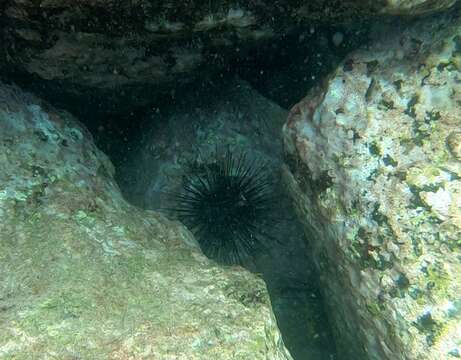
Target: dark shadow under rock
{"points": [[237, 117]]}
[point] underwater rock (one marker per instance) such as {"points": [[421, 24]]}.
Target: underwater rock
{"points": [[373, 165], [415, 7], [83, 274], [133, 50]]}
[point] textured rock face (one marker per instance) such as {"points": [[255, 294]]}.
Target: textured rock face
{"points": [[136, 48], [374, 167], [415, 7], [85, 275]]}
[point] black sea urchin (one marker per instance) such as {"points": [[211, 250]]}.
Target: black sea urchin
{"points": [[225, 203]]}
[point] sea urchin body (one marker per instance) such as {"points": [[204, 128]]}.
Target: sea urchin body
{"points": [[225, 204]]}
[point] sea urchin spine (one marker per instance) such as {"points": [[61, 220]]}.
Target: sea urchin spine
{"points": [[225, 203]]}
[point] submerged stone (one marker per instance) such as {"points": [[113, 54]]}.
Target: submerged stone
{"points": [[83, 274], [387, 225], [132, 50]]}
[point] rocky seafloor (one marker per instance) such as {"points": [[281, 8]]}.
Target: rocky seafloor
{"points": [[368, 166]]}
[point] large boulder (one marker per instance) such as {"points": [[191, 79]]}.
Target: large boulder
{"points": [[374, 166], [83, 274], [136, 49]]}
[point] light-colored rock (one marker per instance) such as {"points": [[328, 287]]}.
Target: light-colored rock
{"points": [[85, 275], [415, 7], [374, 168]]}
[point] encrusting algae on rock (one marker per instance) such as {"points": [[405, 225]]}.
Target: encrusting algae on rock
{"points": [[86, 275], [374, 168]]}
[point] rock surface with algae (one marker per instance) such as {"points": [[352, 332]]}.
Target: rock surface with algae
{"points": [[374, 166], [85, 275], [130, 50]]}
